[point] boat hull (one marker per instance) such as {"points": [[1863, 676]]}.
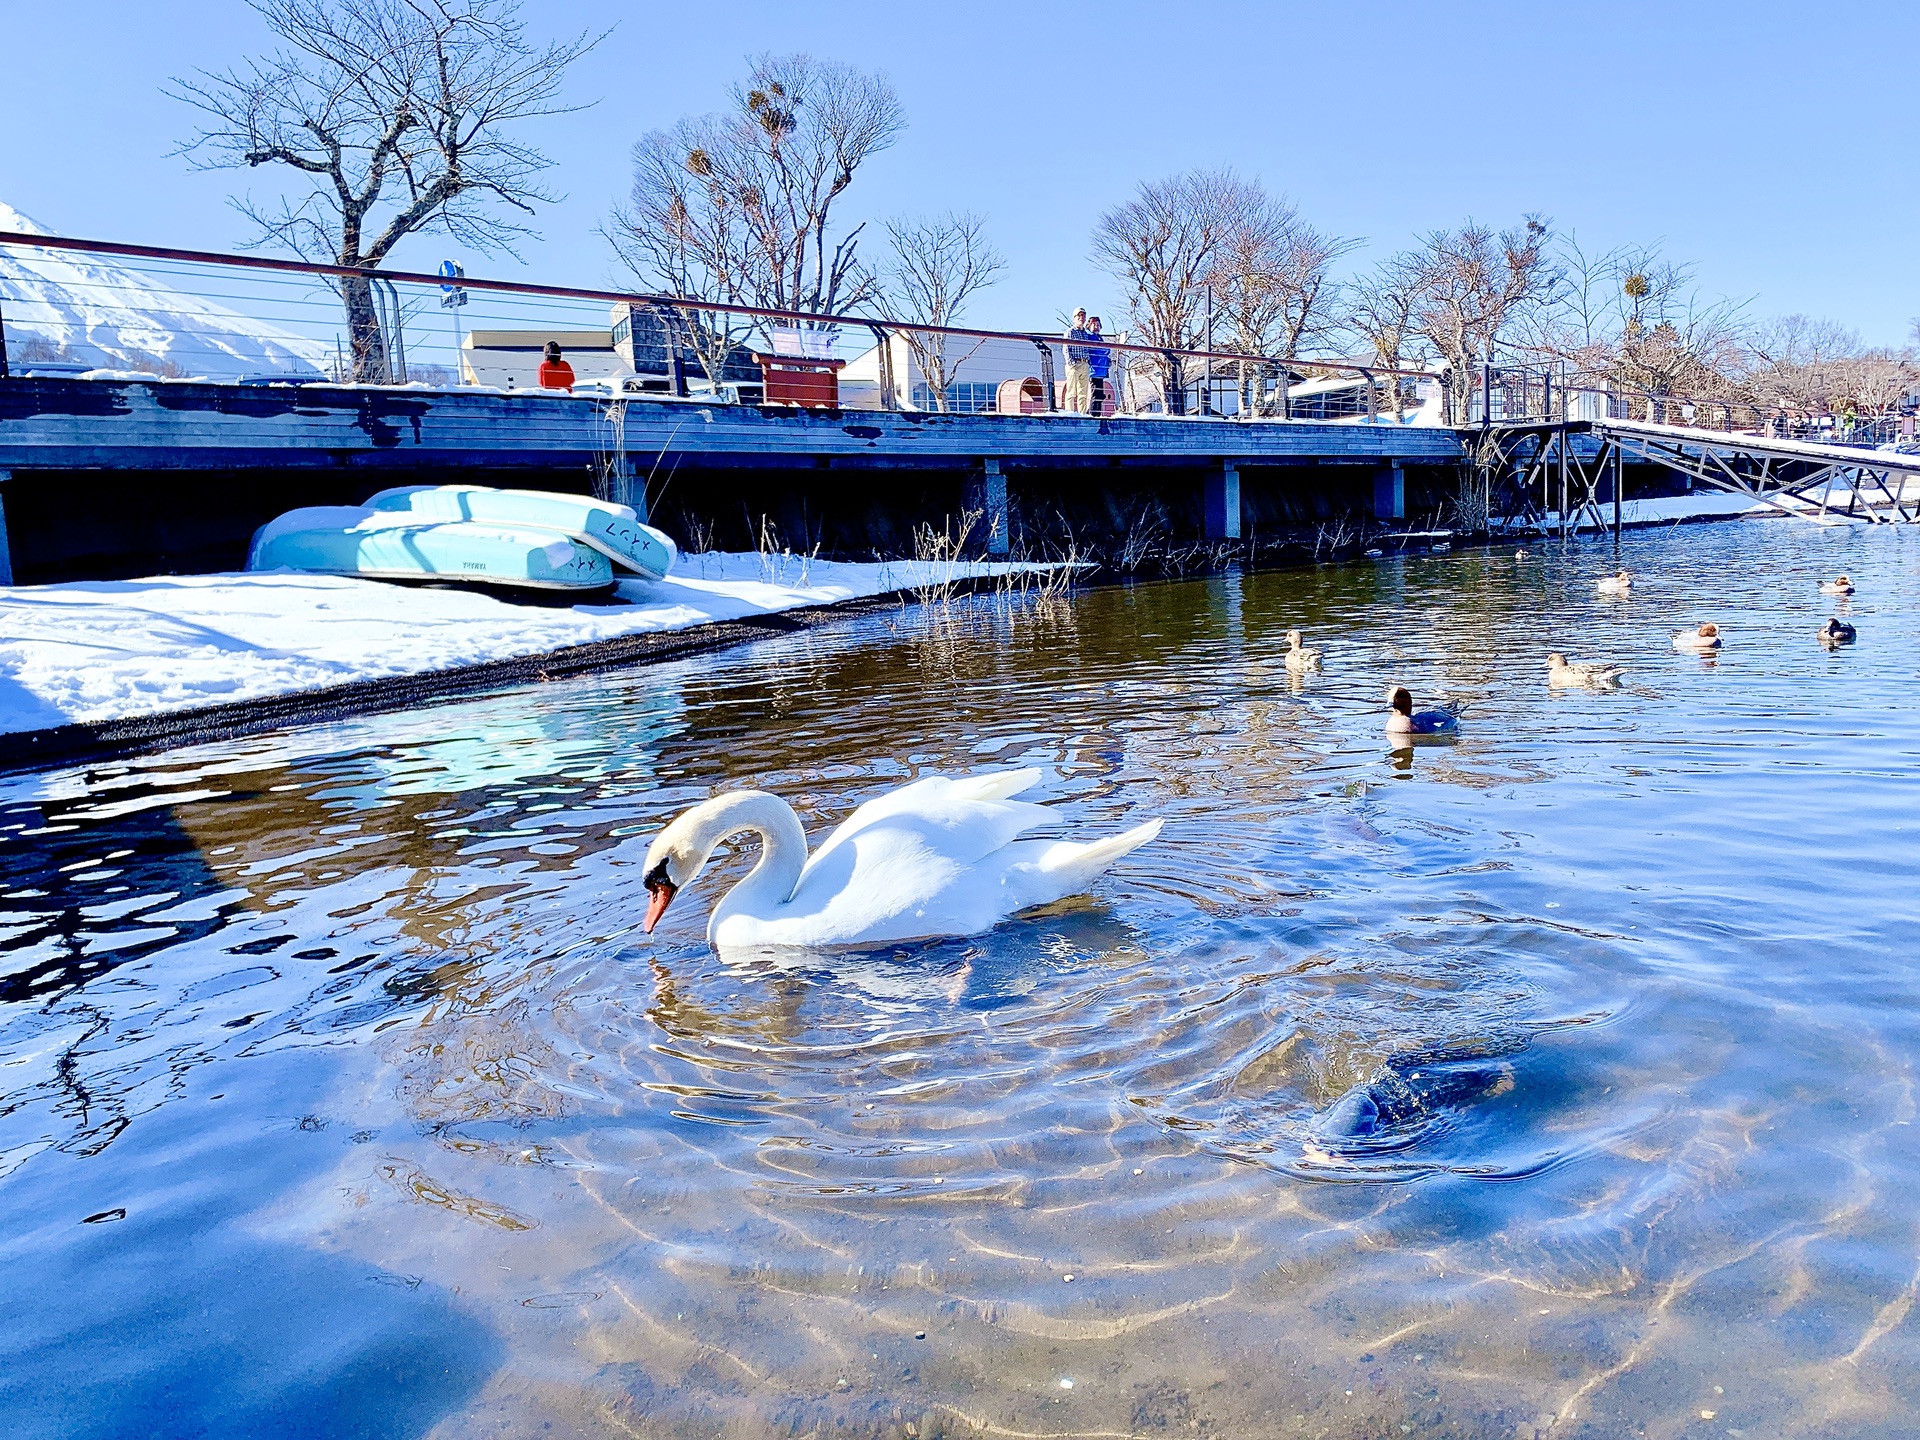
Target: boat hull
{"points": [[613, 530], [469, 553]]}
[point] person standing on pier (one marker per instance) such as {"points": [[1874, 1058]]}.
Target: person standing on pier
{"points": [[1099, 365], [1079, 397], [555, 372]]}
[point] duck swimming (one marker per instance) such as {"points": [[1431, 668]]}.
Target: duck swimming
{"points": [[1707, 637], [1839, 585], [939, 857], [1405, 720], [1591, 673], [1618, 583], [1300, 659], [1835, 632]]}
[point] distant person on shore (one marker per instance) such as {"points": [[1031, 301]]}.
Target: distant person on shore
{"points": [[1099, 365], [1079, 396], [555, 372]]}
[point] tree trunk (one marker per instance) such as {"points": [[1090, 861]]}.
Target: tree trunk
{"points": [[366, 345]]}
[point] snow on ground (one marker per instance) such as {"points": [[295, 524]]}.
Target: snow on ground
{"points": [[107, 650]]}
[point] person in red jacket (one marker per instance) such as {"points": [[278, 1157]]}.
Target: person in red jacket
{"points": [[555, 373]]}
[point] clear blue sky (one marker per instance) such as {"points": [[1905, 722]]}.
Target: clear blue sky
{"points": [[1775, 145]]}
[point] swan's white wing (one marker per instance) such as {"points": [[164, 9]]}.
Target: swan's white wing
{"points": [[972, 809]]}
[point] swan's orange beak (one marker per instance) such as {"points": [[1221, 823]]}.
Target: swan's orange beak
{"points": [[659, 897]]}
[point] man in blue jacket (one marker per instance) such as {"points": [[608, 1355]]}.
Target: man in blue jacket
{"points": [[1099, 364]]}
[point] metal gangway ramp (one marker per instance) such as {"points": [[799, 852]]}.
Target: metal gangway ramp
{"points": [[1878, 486]]}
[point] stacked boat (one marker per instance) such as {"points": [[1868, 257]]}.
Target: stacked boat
{"points": [[468, 534]]}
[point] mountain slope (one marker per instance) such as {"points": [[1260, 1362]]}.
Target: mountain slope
{"points": [[61, 305]]}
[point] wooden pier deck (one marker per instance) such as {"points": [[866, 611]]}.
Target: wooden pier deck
{"points": [[104, 476], [73, 424]]}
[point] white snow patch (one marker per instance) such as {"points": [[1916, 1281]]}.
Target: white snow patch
{"points": [[108, 650]]}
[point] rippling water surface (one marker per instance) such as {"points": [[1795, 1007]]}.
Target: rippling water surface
{"points": [[1559, 1079]]}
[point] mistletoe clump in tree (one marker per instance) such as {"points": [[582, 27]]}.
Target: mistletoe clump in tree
{"points": [[395, 118]]}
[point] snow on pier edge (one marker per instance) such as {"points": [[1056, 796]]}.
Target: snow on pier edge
{"points": [[114, 649]]}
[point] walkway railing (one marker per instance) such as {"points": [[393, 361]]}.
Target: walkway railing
{"points": [[78, 306], [1532, 394]]}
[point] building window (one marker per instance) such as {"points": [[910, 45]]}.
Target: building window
{"points": [[965, 397]]}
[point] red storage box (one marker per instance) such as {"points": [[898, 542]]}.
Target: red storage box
{"points": [[801, 380]]}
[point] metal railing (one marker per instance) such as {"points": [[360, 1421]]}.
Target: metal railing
{"points": [[1531, 394], [77, 306]]}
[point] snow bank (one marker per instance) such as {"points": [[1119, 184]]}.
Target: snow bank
{"points": [[108, 650]]}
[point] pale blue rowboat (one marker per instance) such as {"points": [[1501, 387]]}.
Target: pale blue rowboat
{"points": [[614, 530], [347, 540]]}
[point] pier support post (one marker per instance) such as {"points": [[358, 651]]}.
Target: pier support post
{"points": [[1389, 493], [1222, 502], [6, 551], [994, 492], [629, 486]]}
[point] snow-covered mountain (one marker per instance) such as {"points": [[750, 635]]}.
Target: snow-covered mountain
{"points": [[65, 305]]}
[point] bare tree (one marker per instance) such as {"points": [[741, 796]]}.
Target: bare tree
{"points": [[1163, 246], [938, 265], [1272, 278], [395, 117], [1794, 362], [686, 234], [1379, 310], [737, 207], [1471, 287]]}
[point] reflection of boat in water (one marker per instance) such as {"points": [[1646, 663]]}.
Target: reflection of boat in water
{"points": [[470, 534]]}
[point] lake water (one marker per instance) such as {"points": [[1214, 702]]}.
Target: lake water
{"points": [[340, 1093]]}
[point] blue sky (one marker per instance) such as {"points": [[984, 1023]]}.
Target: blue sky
{"points": [[1774, 145]]}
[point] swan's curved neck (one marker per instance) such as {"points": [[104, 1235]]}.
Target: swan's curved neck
{"points": [[783, 853]]}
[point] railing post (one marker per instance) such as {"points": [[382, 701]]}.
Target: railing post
{"points": [[1486, 393], [1176, 386], [1286, 392], [884, 343], [4, 371], [1046, 377], [1546, 395], [1373, 409], [669, 321], [6, 550]]}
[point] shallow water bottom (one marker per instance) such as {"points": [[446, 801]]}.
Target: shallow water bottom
{"points": [[341, 1095]]}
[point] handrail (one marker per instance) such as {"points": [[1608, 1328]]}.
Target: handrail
{"points": [[575, 292]]}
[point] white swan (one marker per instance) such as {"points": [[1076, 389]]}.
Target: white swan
{"points": [[1706, 638], [1591, 673], [938, 857], [1299, 659], [1618, 583]]}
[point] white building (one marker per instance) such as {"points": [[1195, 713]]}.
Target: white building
{"points": [[510, 359]]}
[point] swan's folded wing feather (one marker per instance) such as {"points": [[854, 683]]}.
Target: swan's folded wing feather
{"points": [[971, 814]]}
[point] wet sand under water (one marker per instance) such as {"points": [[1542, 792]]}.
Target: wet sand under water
{"points": [[1556, 1080]]}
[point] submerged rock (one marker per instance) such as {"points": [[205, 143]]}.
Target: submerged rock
{"points": [[1416, 1089]]}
